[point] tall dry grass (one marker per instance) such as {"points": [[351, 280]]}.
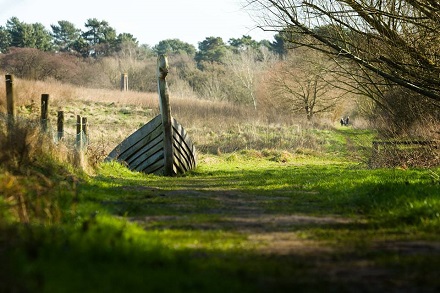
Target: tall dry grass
{"points": [[36, 182], [213, 126]]}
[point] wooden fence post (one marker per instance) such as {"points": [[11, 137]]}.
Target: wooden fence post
{"points": [[84, 129], [165, 110], [124, 82], [60, 125], [79, 156], [79, 142], [44, 111], [10, 101]]}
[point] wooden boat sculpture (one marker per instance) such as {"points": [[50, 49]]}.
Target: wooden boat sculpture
{"points": [[161, 146]]}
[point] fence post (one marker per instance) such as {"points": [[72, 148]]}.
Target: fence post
{"points": [[44, 111], [124, 82], [84, 130], [79, 156], [10, 101], [79, 142], [60, 125]]}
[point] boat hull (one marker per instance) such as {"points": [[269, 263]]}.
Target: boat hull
{"points": [[143, 150]]}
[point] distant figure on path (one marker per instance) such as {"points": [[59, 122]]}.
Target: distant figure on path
{"points": [[344, 121]]}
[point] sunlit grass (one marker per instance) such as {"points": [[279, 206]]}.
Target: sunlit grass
{"points": [[219, 219], [269, 208]]}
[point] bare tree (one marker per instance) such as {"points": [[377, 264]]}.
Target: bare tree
{"points": [[246, 65], [397, 40], [305, 84]]}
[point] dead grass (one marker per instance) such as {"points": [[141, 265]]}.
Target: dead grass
{"points": [[113, 115]]}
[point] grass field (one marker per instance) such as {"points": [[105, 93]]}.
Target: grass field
{"points": [[245, 221], [270, 208]]}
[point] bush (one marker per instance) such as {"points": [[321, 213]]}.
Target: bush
{"points": [[406, 116], [34, 64]]}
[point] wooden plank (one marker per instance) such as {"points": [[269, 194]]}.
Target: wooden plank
{"points": [[190, 146], [185, 144], [129, 146], [60, 125], [131, 153], [149, 151], [183, 135], [178, 169], [179, 159], [156, 159], [153, 165], [134, 138], [181, 162], [184, 152]]}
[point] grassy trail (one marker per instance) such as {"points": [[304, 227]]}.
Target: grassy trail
{"points": [[250, 221], [312, 218]]}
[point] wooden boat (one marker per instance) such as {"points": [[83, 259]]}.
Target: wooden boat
{"points": [[161, 146]]}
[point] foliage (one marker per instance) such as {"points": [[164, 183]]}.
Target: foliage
{"points": [[5, 40], [65, 34], [174, 46], [211, 50], [244, 43], [214, 72], [396, 42], [28, 35], [246, 65], [100, 37]]}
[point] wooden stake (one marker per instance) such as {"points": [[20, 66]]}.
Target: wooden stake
{"points": [[79, 156], [84, 129], [165, 110], [44, 111], [79, 142], [60, 125], [124, 82], [10, 101]]}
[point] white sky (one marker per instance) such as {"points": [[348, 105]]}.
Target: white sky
{"points": [[149, 21]]}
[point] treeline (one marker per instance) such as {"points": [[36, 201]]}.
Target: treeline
{"points": [[100, 39], [97, 55], [267, 76], [286, 76]]}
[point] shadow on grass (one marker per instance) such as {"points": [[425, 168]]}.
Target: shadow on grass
{"points": [[338, 225], [106, 258], [347, 191]]}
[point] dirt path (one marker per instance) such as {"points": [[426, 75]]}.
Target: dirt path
{"points": [[368, 262]]}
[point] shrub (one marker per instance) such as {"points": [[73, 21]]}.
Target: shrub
{"points": [[34, 64]]}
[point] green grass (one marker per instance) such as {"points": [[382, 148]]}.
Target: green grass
{"points": [[305, 185], [247, 221]]}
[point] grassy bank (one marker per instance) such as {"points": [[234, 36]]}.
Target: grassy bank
{"points": [[246, 221], [271, 207]]}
